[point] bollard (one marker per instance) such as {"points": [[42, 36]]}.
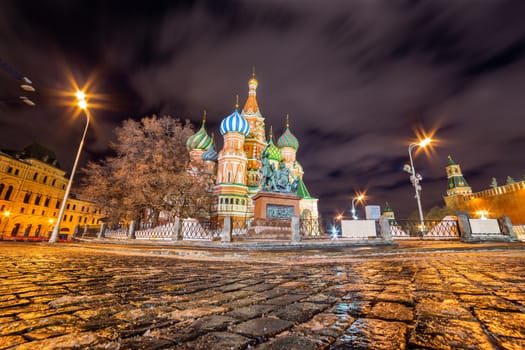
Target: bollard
{"points": [[464, 227], [131, 232], [101, 233], [506, 227], [296, 230], [177, 230], [226, 233], [384, 227]]}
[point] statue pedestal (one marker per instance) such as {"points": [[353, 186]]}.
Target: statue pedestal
{"points": [[275, 205]]}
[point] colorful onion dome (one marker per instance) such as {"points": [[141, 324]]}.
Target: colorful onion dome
{"points": [[200, 140], [210, 154], [235, 123], [288, 139], [272, 151]]}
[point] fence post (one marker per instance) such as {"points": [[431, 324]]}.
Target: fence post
{"points": [[131, 231], [226, 233], [177, 231], [464, 227], [384, 228], [101, 233], [506, 227], [296, 230]]}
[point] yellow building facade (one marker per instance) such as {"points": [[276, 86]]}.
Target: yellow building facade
{"points": [[32, 186]]}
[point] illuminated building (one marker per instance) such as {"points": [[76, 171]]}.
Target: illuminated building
{"points": [[239, 164], [508, 199], [32, 186]]}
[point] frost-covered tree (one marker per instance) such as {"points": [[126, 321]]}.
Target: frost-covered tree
{"points": [[494, 183], [510, 180], [148, 173]]}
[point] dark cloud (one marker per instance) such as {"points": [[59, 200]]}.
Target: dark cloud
{"points": [[358, 79]]}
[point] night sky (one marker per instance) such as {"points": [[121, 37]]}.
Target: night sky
{"points": [[360, 80]]}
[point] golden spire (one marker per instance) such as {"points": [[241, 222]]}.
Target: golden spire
{"points": [[237, 101], [253, 72], [271, 133], [287, 121], [212, 138], [204, 118]]}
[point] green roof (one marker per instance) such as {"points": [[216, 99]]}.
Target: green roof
{"points": [[302, 191]]}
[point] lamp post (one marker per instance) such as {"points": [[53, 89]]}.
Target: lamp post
{"points": [[358, 198], [82, 104], [416, 178]]}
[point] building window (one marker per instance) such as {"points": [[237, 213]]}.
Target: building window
{"points": [[27, 197], [35, 176], [54, 182], [9, 170], [46, 202], [16, 171], [37, 199], [74, 206], [22, 210], [8, 193], [45, 179], [1, 188], [80, 219], [67, 206], [57, 205], [82, 210], [65, 217], [71, 218]]}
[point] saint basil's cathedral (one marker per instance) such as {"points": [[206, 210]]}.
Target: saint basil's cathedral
{"points": [[236, 169]]}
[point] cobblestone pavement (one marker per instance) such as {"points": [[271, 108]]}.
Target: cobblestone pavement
{"points": [[73, 298]]}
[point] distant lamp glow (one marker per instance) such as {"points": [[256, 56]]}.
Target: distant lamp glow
{"points": [[82, 104], [80, 95], [358, 198], [7, 213], [425, 142], [483, 214]]}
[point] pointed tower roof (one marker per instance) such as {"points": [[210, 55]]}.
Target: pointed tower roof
{"points": [[200, 140], [288, 139], [302, 191], [251, 106], [456, 182]]}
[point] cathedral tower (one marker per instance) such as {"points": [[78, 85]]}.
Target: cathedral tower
{"points": [[197, 144], [231, 189], [256, 139], [289, 144]]}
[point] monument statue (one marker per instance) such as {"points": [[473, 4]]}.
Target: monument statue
{"points": [[277, 180]]}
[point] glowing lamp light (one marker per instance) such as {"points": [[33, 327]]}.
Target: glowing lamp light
{"points": [[425, 142], [80, 95]]}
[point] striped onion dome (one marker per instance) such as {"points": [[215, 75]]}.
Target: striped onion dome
{"points": [[200, 140], [235, 123], [210, 154], [288, 139]]}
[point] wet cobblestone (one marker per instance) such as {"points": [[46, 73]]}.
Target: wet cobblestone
{"points": [[73, 298]]}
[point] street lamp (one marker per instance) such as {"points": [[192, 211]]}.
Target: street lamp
{"points": [[358, 198], [82, 104], [416, 178]]}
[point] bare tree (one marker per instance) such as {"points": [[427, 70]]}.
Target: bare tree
{"points": [[148, 173]]}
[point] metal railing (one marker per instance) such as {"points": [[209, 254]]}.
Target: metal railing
{"points": [[312, 228], [431, 229]]}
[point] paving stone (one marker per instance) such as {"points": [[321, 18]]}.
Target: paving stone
{"points": [[10, 341], [487, 302], [218, 341], [298, 312], [509, 324], [391, 311], [354, 308], [442, 333], [248, 312], [292, 343], [367, 333], [326, 324], [68, 341], [286, 299], [262, 327], [450, 308]]}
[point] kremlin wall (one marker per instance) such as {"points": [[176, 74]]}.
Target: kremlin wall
{"points": [[495, 202]]}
